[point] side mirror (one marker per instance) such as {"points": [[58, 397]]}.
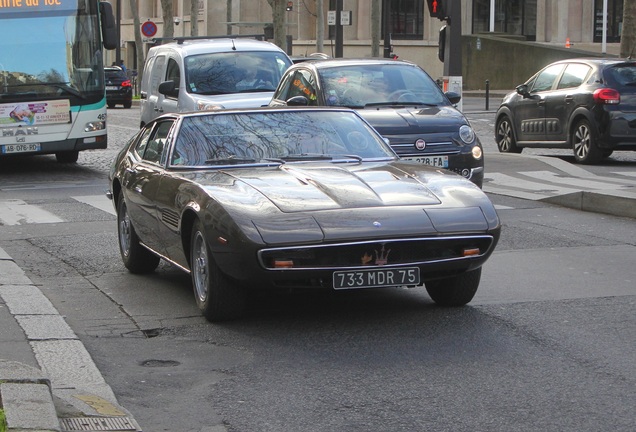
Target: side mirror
{"points": [[453, 97], [110, 39], [523, 90], [297, 101], [167, 88]]}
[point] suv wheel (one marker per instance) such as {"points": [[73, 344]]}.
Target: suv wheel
{"points": [[505, 137], [584, 144]]}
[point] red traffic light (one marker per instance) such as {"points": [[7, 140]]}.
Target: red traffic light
{"points": [[290, 5], [437, 8]]}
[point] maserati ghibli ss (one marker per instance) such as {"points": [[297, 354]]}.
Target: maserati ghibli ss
{"points": [[296, 198]]}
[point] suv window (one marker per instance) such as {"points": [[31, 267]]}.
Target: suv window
{"points": [[545, 79], [573, 76], [111, 74]]}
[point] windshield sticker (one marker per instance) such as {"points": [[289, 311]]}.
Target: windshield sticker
{"points": [[35, 113]]}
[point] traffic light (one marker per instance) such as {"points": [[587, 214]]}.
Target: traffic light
{"points": [[437, 8], [290, 6]]}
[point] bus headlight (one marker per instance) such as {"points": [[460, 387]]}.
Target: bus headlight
{"points": [[95, 126]]}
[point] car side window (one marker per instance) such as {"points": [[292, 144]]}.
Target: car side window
{"points": [[303, 84], [155, 149], [545, 79], [573, 76], [173, 73], [141, 145]]}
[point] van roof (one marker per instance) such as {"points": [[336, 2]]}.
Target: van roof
{"points": [[202, 46]]}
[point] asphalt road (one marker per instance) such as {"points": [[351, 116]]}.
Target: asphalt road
{"points": [[547, 344]]}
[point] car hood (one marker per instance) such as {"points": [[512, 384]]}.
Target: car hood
{"points": [[391, 120], [239, 100], [317, 201]]}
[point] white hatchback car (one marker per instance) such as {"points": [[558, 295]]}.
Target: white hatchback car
{"points": [[208, 74]]}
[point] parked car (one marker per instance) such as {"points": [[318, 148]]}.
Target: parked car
{"points": [[118, 87], [397, 98], [303, 198], [206, 74], [588, 105]]}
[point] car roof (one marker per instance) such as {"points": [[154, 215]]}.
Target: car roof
{"points": [[602, 61], [204, 46], [340, 62]]}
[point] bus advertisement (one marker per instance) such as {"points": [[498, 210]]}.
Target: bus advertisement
{"points": [[52, 93]]}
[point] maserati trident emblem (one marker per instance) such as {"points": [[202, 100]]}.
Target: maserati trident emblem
{"points": [[420, 144], [382, 257]]}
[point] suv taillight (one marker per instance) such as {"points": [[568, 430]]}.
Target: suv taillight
{"points": [[607, 96], [126, 84]]}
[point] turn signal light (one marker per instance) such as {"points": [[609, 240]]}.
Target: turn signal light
{"points": [[607, 96], [283, 264], [470, 252]]}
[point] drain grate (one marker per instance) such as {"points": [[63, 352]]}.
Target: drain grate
{"points": [[110, 424]]}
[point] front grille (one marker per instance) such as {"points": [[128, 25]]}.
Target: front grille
{"points": [[393, 252], [432, 148]]}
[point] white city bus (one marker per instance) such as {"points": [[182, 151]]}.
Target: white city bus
{"points": [[52, 97]]}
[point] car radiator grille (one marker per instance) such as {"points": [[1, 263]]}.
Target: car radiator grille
{"points": [[432, 148], [391, 252]]}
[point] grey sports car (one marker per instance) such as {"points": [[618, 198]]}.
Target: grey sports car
{"points": [[296, 198]]}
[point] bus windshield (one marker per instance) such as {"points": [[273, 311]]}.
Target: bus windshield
{"points": [[50, 52]]}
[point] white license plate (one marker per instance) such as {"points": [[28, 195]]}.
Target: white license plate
{"points": [[436, 161], [112, 88], [376, 278], [20, 148]]}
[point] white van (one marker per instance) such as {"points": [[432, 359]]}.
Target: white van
{"points": [[207, 74]]}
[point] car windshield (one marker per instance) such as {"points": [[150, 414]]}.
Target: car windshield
{"points": [[357, 86], [265, 137], [234, 72]]}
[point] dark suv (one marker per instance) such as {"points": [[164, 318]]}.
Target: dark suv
{"points": [[588, 105], [118, 87]]}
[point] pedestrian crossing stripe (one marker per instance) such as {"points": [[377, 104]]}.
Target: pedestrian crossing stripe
{"points": [[97, 201], [18, 212]]}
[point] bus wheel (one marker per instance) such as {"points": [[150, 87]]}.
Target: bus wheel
{"points": [[67, 156]]}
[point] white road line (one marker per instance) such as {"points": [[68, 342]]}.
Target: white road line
{"points": [[549, 176], [97, 201], [625, 173], [504, 181], [17, 212]]}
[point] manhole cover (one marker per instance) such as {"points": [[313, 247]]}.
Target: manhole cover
{"points": [[97, 424]]}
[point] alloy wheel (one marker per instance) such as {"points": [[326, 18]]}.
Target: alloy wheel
{"points": [[200, 267]]}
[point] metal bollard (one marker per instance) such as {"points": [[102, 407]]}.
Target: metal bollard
{"points": [[487, 94]]}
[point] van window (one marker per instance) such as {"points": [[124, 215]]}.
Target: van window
{"points": [[157, 73]]}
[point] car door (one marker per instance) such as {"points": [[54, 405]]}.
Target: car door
{"points": [[563, 100], [142, 180], [529, 111], [154, 72]]}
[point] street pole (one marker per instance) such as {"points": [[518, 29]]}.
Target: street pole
{"points": [[339, 30], [386, 14]]}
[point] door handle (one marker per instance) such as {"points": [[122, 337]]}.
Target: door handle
{"points": [[541, 102], [158, 109], [569, 99]]}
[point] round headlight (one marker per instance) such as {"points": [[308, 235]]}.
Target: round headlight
{"points": [[467, 134], [477, 152]]}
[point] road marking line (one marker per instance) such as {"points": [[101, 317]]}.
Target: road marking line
{"points": [[551, 177], [97, 201], [18, 212]]}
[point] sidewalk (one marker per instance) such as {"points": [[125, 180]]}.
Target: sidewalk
{"points": [[48, 381]]}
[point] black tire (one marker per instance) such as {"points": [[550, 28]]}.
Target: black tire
{"points": [[505, 137], [584, 144], [127, 104], [110, 104], [67, 156], [607, 153], [136, 258], [454, 291], [217, 296]]}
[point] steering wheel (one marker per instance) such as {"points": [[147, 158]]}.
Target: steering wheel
{"points": [[399, 94]]}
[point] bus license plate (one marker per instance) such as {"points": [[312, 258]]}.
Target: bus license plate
{"points": [[376, 278], [436, 161], [20, 148]]}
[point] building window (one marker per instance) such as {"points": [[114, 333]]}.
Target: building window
{"points": [[515, 17], [407, 19], [614, 20]]}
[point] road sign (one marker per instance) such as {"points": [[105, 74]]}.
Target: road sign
{"points": [[149, 29]]}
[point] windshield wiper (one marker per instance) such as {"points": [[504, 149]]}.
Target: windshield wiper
{"points": [[231, 160], [388, 103], [306, 156]]}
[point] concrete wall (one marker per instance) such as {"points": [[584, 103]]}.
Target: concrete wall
{"points": [[507, 62]]}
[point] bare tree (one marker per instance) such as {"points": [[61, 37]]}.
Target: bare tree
{"points": [[628, 34], [194, 17], [168, 18], [139, 46], [278, 19]]}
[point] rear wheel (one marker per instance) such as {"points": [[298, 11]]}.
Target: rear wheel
{"points": [[217, 296], [454, 291], [67, 156], [584, 144], [111, 104], [136, 258], [505, 136], [127, 104]]}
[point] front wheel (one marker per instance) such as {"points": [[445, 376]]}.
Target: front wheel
{"points": [[454, 291], [136, 258], [584, 144], [217, 296], [505, 136], [67, 156]]}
